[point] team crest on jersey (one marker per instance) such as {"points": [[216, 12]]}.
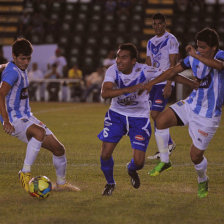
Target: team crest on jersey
{"points": [[158, 101], [139, 138], [203, 133], [180, 103], [24, 120], [138, 70], [24, 94]]}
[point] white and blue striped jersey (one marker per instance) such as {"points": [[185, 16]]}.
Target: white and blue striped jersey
{"points": [[207, 100], [159, 49], [17, 100], [131, 104]]}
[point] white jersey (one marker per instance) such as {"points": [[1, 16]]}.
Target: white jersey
{"points": [[131, 104], [207, 100], [17, 100], [159, 49]]}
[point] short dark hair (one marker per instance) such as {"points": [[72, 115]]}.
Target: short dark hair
{"points": [[159, 16], [209, 36], [22, 46], [131, 48]]}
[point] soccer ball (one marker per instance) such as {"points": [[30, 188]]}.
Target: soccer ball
{"points": [[40, 187]]}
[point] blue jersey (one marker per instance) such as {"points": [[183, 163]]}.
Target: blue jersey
{"points": [[207, 100], [131, 104], [17, 100]]}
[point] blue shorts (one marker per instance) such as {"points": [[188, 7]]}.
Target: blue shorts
{"points": [[116, 126], [156, 98]]}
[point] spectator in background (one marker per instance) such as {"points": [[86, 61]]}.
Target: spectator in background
{"points": [[93, 83], [76, 88], [35, 74], [109, 60], [61, 63], [53, 87]]}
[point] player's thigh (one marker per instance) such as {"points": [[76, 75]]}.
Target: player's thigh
{"points": [[35, 131], [166, 119], [52, 144], [156, 98], [139, 132], [202, 130], [114, 127]]}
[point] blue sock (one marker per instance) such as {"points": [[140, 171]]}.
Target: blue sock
{"points": [[132, 166], [107, 168], [170, 142]]}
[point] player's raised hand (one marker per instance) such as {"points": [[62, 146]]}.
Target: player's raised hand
{"points": [[8, 128], [190, 50]]}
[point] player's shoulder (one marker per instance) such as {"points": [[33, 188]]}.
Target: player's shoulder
{"points": [[10, 68], [220, 55]]}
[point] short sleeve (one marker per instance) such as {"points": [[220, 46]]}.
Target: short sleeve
{"points": [[110, 75], [148, 51], [10, 76], [173, 46], [220, 55], [186, 63]]}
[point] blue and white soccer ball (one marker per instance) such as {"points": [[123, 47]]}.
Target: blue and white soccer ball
{"points": [[40, 187]]}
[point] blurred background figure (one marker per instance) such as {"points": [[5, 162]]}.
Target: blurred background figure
{"points": [[93, 84], [61, 63], [109, 60], [53, 87], [110, 6], [76, 88], [36, 89]]}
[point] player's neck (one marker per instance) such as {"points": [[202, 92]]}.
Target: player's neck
{"points": [[161, 34]]}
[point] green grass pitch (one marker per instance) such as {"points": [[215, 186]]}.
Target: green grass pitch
{"points": [[168, 198]]}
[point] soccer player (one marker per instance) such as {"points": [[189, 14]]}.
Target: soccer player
{"points": [[18, 120], [128, 113], [162, 53], [201, 111]]}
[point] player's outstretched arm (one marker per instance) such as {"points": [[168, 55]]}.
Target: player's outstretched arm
{"points": [[194, 84], [4, 90], [214, 63], [108, 90], [169, 74]]}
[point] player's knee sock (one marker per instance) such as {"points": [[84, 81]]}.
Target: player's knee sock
{"points": [[107, 166], [133, 166], [201, 169], [162, 138], [60, 163], [33, 147]]}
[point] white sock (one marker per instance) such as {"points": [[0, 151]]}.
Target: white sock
{"points": [[33, 147], [60, 163], [201, 169], [162, 139]]}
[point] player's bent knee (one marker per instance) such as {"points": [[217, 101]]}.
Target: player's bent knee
{"points": [[59, 150]]}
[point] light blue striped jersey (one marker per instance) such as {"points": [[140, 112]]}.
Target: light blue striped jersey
{"points": [[17, 100], [131, 104], [207, 100]]}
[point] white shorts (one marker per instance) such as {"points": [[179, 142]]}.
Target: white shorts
{"points": [[201, 129], [21, 125]]}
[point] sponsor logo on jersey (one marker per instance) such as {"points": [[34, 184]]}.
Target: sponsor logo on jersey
{"points": [[139, 138], [203, 133], [158, 101], [180, 103]]}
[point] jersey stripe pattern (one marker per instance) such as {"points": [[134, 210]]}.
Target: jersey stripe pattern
{"points": [[131, 104], [207, 100], [17, 100]]}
